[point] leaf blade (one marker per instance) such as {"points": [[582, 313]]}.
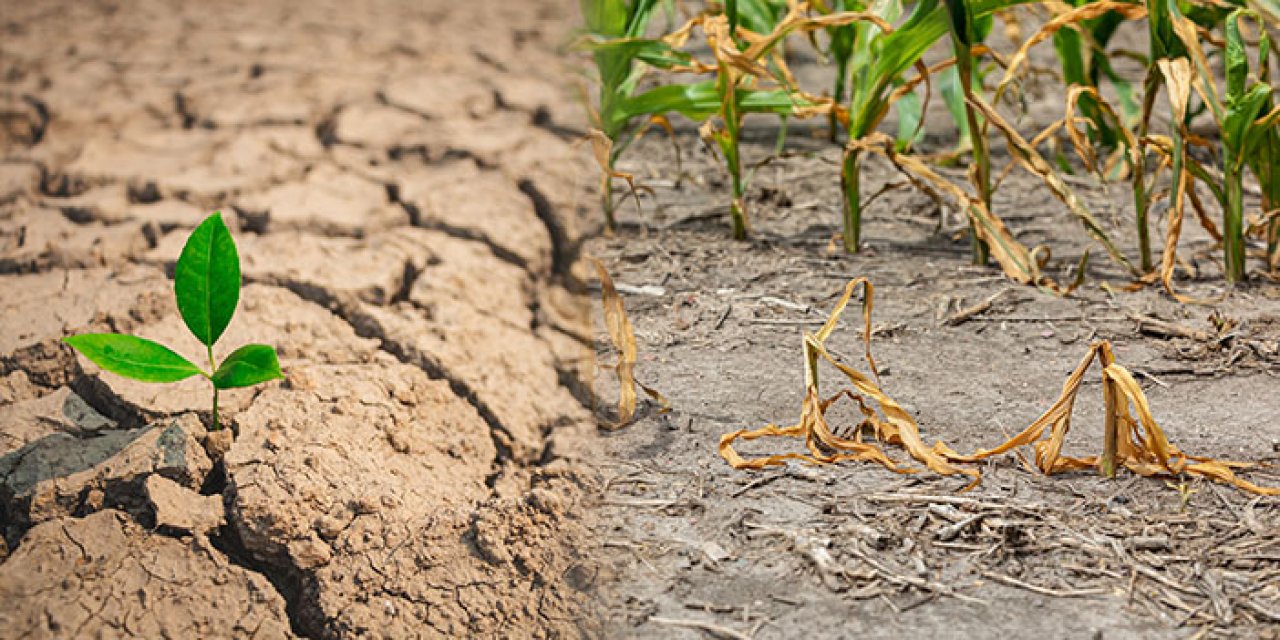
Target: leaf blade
{"points": [[249, 365], [207, 280], [133, 357]]}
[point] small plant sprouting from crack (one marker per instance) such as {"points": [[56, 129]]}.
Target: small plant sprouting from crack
{"points": [[207, 287]]}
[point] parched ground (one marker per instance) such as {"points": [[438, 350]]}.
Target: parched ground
{"points": [[693, 548], [401, 180]]}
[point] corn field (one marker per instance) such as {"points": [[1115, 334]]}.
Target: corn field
{"points": [[1206, 63]]}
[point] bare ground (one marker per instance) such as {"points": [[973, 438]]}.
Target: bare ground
{"points": [[405, 198], [856, 551]]}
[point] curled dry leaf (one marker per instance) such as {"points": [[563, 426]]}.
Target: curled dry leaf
{"points": [[624, 340], [602, 149], [1063, 20], [1135, 443]]}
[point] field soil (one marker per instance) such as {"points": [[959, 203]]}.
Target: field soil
{"points": [[693, 548], [412, 203], [402, 183]]}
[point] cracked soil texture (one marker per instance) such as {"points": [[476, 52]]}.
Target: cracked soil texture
{"points": [[402, 182]]}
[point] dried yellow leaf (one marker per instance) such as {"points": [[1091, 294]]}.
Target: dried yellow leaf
{"points": [[1135, 443]]}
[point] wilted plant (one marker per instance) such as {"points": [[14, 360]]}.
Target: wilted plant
{"points": [[207, 288], [1132, 437]]}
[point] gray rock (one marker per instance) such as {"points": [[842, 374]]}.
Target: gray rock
{"points": [[63, 474]]}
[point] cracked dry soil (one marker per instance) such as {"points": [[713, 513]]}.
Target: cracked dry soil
{"points": [[402, 182]]}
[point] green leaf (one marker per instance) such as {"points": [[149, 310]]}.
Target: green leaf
{"points": [[910, 110], [1236, 58], [207, 280], [133, 357], [247, 366]]}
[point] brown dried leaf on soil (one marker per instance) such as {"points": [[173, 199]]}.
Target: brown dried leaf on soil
{"points": [[1138, 444], [624, 340]]}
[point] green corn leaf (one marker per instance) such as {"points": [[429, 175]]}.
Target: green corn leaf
{"points": [[759, 16], [910, 110], [961, 22], [247, 366], [1237, 61], [133, 357], [207, 280], [1240, 121], [638, 20], [700, 101], [892, 54], [655, 53], [953, 98], [605, 17]]}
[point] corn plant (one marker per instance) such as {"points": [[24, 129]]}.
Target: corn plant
{"points": [[1082, 54], [1245, 127], [868, 100], [615, 38], [1248, 138], [207, 288], [963, 35], [1264, 161], [880, 59]]}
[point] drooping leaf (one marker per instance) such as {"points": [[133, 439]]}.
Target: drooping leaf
{"points": [[133, 357], [207, 280], [247, 366]]}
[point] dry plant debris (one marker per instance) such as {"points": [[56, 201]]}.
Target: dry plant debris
{"points": [[624, 340], [1136, 443]]}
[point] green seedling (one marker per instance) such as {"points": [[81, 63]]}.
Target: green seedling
{"points": [[207, 287]]}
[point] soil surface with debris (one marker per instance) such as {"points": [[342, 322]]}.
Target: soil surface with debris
{"points": [[698, 549], [401, 179]]}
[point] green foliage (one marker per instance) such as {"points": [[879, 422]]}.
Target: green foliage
{"points": [[615, 38], [207, 288], [207, 280], [874, 45], [133, 357], [249, 365], [1248, 137]]}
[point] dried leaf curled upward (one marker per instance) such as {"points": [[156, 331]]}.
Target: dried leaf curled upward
{"points": [[624, 340], [1133, 439]]}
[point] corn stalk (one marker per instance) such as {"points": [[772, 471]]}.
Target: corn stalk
{"points": [[962, 32]]}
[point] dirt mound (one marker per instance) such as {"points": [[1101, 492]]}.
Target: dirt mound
{"points": [[406, 204], [106, 575]]}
